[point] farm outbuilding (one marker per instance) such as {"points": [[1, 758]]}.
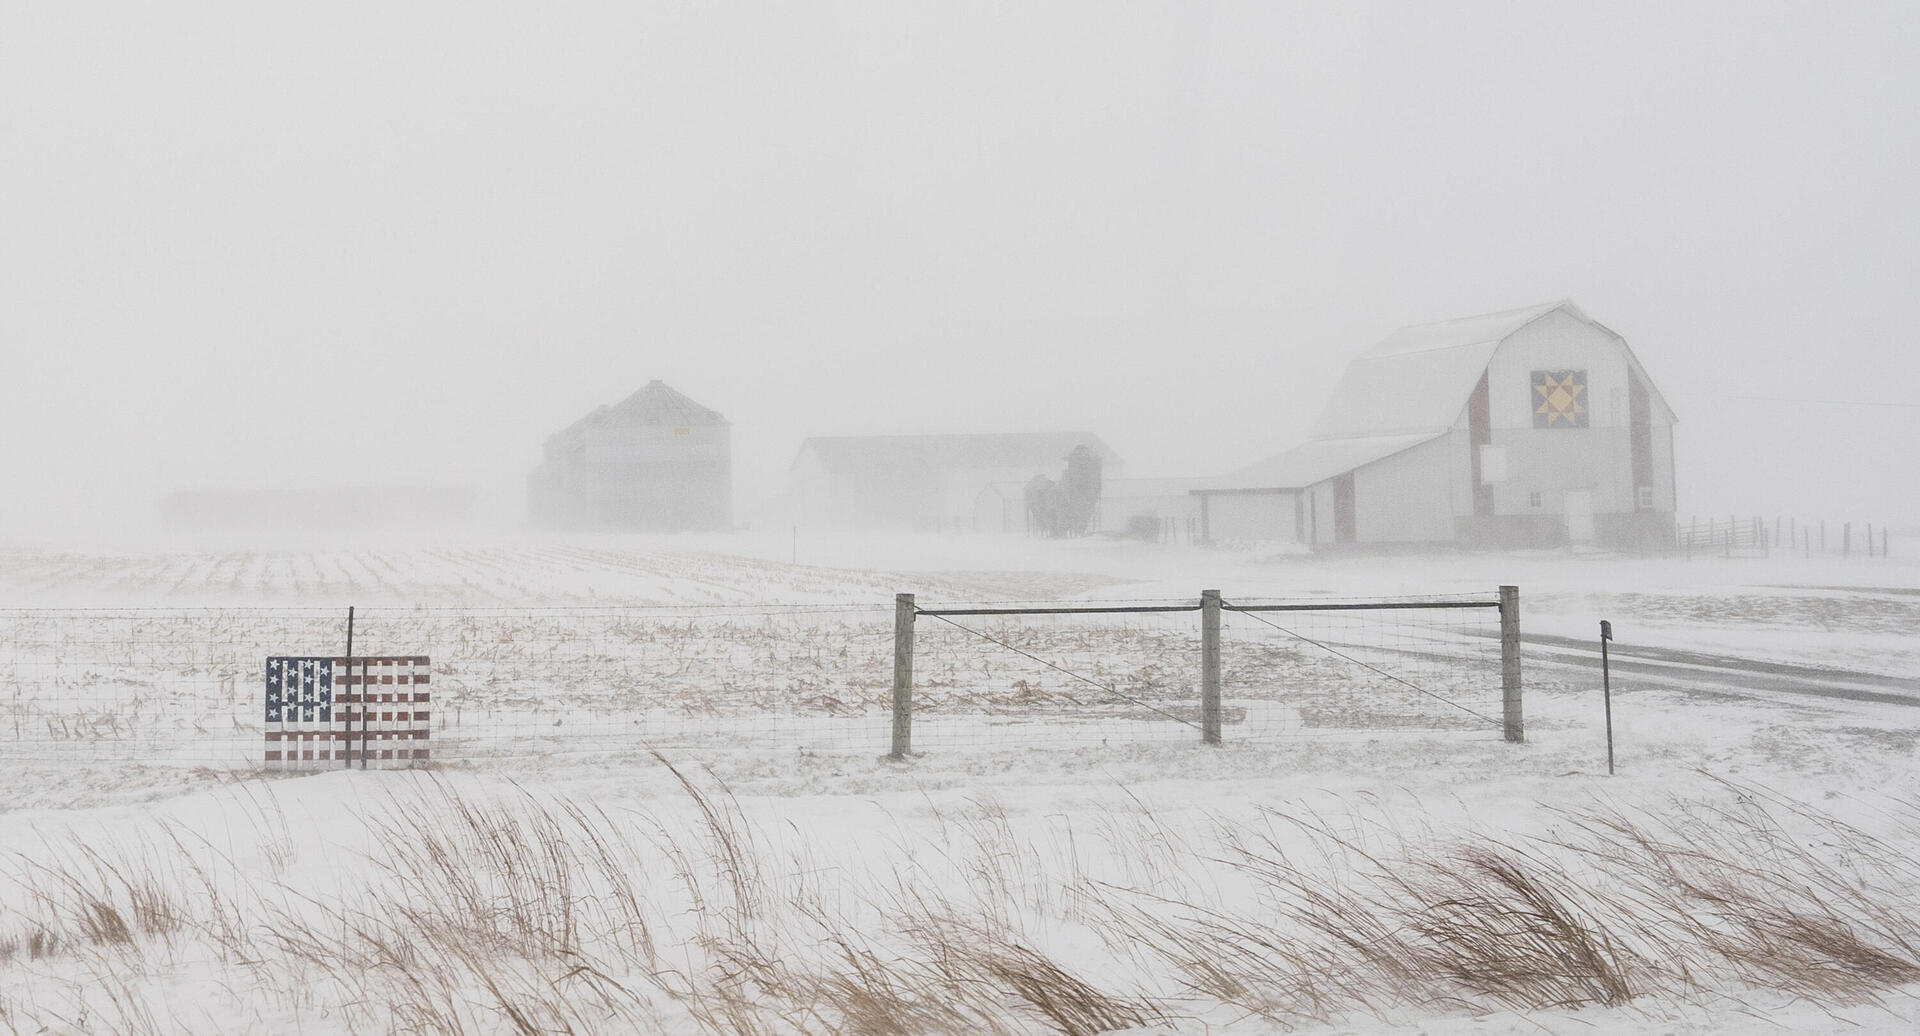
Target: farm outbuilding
{"points": [[933, 483], [1162, 509], [1530, 427], [654, 462]]}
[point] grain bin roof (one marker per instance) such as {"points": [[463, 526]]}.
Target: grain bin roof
{"points": [[656, 403]]}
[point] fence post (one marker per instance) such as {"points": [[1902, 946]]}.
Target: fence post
{"points": [[1210, 666], [903, 613], [1512, 721]]}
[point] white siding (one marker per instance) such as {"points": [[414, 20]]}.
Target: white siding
{"points": [[1000, 509], [1551, 461], [1319, 520], [1406, 498], [1251, 517], [1459, 464], [1117, 509], [1663, 490]]}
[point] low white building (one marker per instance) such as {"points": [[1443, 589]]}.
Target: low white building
{"points": [[1530, 427], [1161, 509], [929, 483], [1158, 509]]}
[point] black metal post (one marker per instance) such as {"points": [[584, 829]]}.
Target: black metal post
{"points": [[1606, 688]]}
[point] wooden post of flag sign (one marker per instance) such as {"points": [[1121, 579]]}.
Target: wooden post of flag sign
{"points": [[346, 740]]}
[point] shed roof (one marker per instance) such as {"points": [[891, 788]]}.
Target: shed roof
{"points": [[1313, 461], [656, 403], [1042, 452]]}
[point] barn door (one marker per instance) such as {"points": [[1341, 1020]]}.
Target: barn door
{"points": [[1580, 515], [1343, 520]]}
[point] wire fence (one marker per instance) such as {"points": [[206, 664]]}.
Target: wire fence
{"points": [[1418, 664], [1075, 674], [114, 691], [1787, 536], [130, 697], [1061, 679]]}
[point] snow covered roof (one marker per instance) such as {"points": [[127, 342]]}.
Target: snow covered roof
{"points": [[1043, 452], [1144, 487], [1406, 390], [656, 403], [1315, 460], [1418, 380]]}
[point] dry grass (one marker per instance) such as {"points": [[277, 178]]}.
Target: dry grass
{"points": [[518, 912]]}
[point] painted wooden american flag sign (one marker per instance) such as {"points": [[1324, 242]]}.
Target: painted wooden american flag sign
{"points": [[329, 713]]}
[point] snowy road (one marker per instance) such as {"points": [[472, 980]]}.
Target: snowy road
{"points": [[1640, 667]]}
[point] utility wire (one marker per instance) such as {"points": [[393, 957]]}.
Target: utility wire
{"points": [[1830, 402], [1335, 651], [1116, 692]]}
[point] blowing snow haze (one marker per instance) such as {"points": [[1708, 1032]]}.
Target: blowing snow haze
{"points": [[288, 247]]}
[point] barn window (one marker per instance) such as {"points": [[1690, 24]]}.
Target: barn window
{"points": [[1646, 498], [1533, 499]]}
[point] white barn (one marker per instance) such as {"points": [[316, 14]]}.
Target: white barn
{"points": [[1531, 427]]}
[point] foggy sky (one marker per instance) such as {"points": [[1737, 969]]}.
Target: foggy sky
{"points": [[284, 245]]}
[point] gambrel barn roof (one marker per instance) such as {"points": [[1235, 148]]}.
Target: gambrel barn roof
{"points": [[1407, 390]]}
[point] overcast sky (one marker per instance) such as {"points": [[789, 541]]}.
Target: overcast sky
{"points": [[285, 244]]}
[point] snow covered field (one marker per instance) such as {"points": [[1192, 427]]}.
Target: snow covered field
{"points": [[1355, 858]]}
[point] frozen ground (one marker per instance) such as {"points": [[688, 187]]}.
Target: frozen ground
{"points": [[1783, 686]]}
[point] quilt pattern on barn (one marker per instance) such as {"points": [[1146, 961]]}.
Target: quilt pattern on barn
{"points": [[1559, 399]]}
